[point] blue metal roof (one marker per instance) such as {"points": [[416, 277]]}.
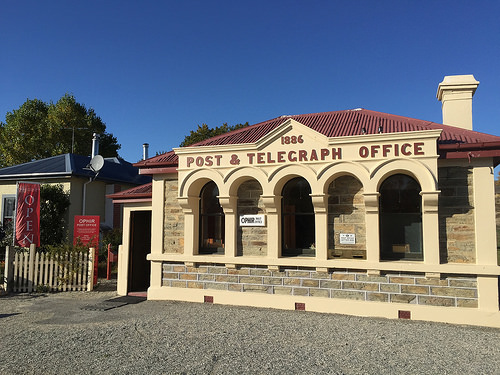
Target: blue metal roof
{"points": [[67, 165]]}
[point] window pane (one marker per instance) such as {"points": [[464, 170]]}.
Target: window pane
{"points": [[400, 218], [8, 209], [211, 221], [298, 227]]}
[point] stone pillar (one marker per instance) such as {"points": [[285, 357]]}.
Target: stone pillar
{"points": [[191, 209], [487, 293], [156, 275], [157, 216], [320, 203], [230, 207], [272, 204], [430, 226], [372, 227], [484, 212]]}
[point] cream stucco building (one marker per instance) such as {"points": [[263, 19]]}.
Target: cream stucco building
{"points": [[353, 212]]}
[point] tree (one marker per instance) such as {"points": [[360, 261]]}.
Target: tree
{"points": [[38, 130], [54, 203], [204, 132]]}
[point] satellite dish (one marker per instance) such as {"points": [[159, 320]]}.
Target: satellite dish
{"points": [[96, 163]]}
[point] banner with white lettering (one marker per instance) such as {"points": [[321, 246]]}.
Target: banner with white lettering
{"points": [[27, 214]]}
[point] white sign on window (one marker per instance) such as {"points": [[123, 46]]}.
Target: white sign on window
{"points": [[347, 239], [252, 220]]}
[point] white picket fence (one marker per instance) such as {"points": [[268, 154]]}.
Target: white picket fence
{"points": [[38, 271]]}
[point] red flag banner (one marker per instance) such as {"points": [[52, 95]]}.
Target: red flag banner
{"points": [[27, 214]]}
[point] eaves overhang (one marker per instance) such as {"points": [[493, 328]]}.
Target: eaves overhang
{"points": [[32, 176], [158, 170], [133, 200], [470, 151]]}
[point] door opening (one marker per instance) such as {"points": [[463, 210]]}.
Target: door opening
{"points": [[140, 246]]}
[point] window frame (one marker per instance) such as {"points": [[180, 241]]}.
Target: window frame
{"points": [[214, 244], [4, 198], [401, 220], [289, 220]]}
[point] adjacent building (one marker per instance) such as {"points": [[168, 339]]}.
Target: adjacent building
{"points": [[73, 173]]}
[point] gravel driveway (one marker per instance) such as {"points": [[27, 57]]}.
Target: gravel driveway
{"points": [[62, 334]]}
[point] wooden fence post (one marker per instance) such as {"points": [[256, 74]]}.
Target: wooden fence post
{"points": [[9, 268], [90, 277], [108, 267], [31, 267]]}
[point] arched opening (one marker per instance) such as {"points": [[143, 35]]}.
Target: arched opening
{"points": [[400, 215], [298, 227], [211, 221]]}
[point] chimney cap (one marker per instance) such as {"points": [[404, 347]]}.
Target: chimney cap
{"points": [[465, 82]]}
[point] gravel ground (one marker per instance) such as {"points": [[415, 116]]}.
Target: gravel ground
{"points": [[52, 334]]}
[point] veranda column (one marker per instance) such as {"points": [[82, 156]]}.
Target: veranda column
{"points": [[484, 212], [191, 208], [273, 210], [485, 228], [430, 226], [157, 220], [230, 206], [320, 203], [372, 227]]}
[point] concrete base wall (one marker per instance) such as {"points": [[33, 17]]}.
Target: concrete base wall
{"points": [[345, 284], [408, 296]]}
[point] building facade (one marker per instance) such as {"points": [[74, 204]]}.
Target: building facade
{"points": [[353, 212]]}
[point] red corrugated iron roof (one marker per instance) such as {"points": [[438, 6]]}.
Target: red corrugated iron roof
{"points": [[453, 142], [143, 192], [340, 124]]}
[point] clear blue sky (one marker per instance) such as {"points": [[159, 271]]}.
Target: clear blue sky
{"points": [[154, 70]]}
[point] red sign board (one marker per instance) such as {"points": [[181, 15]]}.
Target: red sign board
{"points": [[86, 230], [27, 214]]}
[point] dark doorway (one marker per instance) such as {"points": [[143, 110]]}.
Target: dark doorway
{"points": [[297, 221], [139, 269], [400, 215], [211, 221]]}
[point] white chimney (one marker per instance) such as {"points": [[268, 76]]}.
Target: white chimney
{"points": [[455, 93], [95, 145], [145, 151]]}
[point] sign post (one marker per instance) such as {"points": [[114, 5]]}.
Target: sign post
{"points": [[86, 232]]}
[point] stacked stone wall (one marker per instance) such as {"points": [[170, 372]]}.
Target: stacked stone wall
{"points": [[173, 223], [252, 241], [344, 284], [456, 215], [346, 214]]}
